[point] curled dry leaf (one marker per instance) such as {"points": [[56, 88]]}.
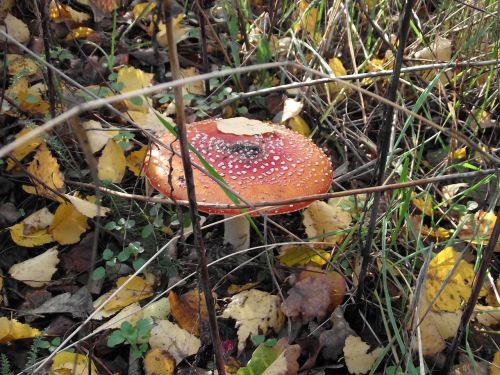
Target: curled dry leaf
{"points": [[86, 206], [65, 363], [291, 109], [68, 224], [316, 294], [186, 310], [111, 165], [36, 272], [159, 362], [458, 286], [34, 230], [477, 228], [255, 312], [11, 329], [356, 355], [195, 88], [170, 337], [322, 221], [435, 327]]}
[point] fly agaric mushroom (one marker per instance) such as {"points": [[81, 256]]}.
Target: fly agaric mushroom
{"points": [[260, 162]]}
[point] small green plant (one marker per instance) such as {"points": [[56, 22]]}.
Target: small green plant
{"points": [[123, 139], [136, 336], [5, 365], [113, 261], [121, 225]]}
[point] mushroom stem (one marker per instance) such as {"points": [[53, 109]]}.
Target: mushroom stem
{"points": [[237, 232]]}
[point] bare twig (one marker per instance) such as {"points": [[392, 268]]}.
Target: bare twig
{"points": [[384, 143], [191, 191]]}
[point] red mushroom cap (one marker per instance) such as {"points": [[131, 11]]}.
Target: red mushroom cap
{"points": [[261, 162]]}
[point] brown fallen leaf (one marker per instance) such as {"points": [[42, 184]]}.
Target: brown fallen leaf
{"points": [[307, 299], [159, 362], [186, 310]]}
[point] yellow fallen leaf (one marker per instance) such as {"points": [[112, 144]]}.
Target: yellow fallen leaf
{"points": [[134, 79], [97, 135], [11, 329], [131, 313], [45, 168], [111, 165], [5, 7], [135, 161], [34, 230], [302, 255], [439, 50], [159, 362], [68, 224], [136, 290], [20, 65], [180, 31], [298, 124], [64, 13], [458, 286], [322, 219], [86, 206], [170, 337], [187, 308], [195, 88], [149, 121], [424, 203], [438, 233], [308, 18], [143, 9], [25, 149], [66, 363], [36, 272], [235, 289], [356, 355], [495, 364], [338, 70], [29, 99], [79, 33], [256, 312], [460, 153], [477, 228], [17, 29], [435, 327]]}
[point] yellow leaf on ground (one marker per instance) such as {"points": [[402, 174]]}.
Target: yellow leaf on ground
{"points": [[235, 289], [68, 224], [308, 17], [195, 88], [435, 327], [256, 312], [136, 290], [298, 124], [29, 99], [356, 355], [131, 313], [87, 206], [79, 33], [20, 65], [149, 121], [97, 135], [438, 233], [180, 31], [36, 272], [302, 255], [338, 70], [34, 230], [495, 364], [45, 168], [135, 161], [186, 310], [458, 286], [111, 165], [17, 29], [477, 228], [460, 153], [323, 220], [25, 149], [439, 50], [66, 363], [170, 337], [143, 9], [424, 203], [159, 362], [64, 13], [11, 329], [134, 79]]}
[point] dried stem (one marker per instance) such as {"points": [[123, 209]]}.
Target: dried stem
{"points": [[384, 137], [188, 173]]}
